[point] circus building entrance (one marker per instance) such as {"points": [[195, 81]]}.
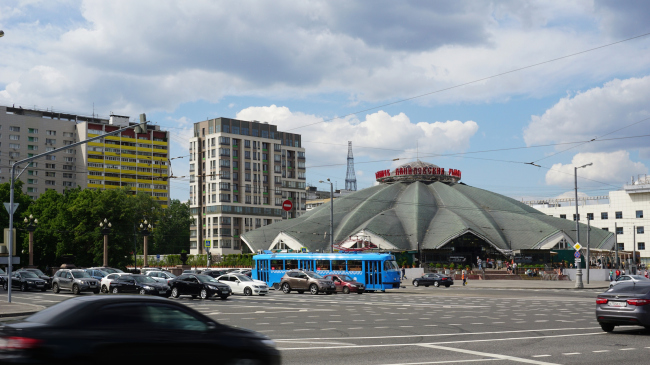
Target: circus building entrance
{"points": [[426, 211]]}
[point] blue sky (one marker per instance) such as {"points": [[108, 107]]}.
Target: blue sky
{"points": [[298, 63]]}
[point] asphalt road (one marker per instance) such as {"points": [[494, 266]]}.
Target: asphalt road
{"points": [[425, 326]]}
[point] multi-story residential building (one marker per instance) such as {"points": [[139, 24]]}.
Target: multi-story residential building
{"points": [[624, 212], [140, 162], [240, 173]]}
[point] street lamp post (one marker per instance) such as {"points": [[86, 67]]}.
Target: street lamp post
{"points": [[331, 213], [146, 230], [31, 227], [106, 230], [579, 284]]}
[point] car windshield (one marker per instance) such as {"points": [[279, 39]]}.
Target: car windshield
{"points": [[206, 279], [2, 272], [243, 278], [313, 275], [170, 275], [28, 274], [345, 278], [79, 274], [101, 273], [37, 271], [144, 279], [112, 271], [639, 277]]}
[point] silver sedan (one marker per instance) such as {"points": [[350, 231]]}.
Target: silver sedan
{"points": [[629, 279]]}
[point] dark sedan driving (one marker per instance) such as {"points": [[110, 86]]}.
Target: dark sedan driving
{"points": [[626, 304], [134, 329], [433, 279]]}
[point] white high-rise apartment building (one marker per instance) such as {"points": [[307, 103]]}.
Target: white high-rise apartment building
{"points": [[240, 173], [625, 212], [139, 162]]}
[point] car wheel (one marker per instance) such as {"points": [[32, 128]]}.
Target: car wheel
{"points": [[447, 286], [223, 297], [23, 287], [174, 292], [55, 288], [313, 289], [416, 283], [104, 290], [115, 290], [607, 327], [204, 294], [286, 289], [436, 284], [346, 290], [248, 292], [75, 289], [143, 292]]}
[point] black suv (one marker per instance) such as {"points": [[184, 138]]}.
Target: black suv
{"points": [[302, 281], [26, 280], [203, 286], [75, 280]]}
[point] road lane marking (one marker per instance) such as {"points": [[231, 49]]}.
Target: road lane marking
{"points": [[487, 354], [601, 351], [627, 349], [444, 362], [541, 355], [570, 353]]}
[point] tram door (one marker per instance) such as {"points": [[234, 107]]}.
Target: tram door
{"points": [[307, 265], [372, 273], [263, 270]]}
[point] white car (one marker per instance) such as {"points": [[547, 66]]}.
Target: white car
{"points": [[161, 276], [242, 284], [629, 279], [106, 280]]}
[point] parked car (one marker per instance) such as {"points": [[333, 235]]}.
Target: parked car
{"points": [[110, 270], [192, 271], [242, 284], [96, 273], [434, 279], [106, 280], [214, 272], [346, 284], [140, 329], [75, 280], [161, 276], [302, 281], [3, 277], [624, 305], [138, 283], [41, 275], [145, 270], [202, 286], [25, 280], [629, 279]]}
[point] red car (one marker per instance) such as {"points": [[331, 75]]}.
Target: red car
{"points": [[345, 284]]}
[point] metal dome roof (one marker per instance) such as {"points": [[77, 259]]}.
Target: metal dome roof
{"points": [[401, 215]]}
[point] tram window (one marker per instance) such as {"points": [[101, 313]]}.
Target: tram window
{"points": [[323, 265], [354, 265], [291, 264], [338, 265], [277, 265]]}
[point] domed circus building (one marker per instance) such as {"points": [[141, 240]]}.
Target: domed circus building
{"points": [[422, 208]]}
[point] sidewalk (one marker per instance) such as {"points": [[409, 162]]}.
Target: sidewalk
{"points": [[18, 309], [524, 284]]}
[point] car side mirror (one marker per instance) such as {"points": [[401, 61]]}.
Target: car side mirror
{"points": [[238, 281], [211, 326]]}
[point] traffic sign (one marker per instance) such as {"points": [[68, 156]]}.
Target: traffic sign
{"points": [[11, 211], [287, 205], [207, 243], [578, 260], [303, 249], [577, 254], [577, 246]]}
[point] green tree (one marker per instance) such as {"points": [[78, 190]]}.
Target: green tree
{"points": [[171, 232]]}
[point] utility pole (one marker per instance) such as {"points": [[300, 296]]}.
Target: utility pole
{"points": [[579, 284], [616, 262], [588, 255]]}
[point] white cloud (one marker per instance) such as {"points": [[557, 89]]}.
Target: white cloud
{"points": [[378, 136], [594, 113], [608, 167]]}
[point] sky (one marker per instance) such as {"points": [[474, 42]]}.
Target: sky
{"points": [[486, 87]]}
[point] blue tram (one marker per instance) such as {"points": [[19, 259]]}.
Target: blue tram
{"points": [[377, 271]]}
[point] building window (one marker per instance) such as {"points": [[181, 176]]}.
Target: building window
{"points": [[50, 182], [605, 229], [621, 246], [563, 216], [619, 215], [50, 157], [639, 214], [640, 230], [32, 130], [603, 215], [15, 146], [14, 129], [50, 166], [14, 137], [50, 141], [68, 134], [32, 181], [641, 245], [574, 217], [51, 133], [32, 139], [590, 216], [619, 230]]}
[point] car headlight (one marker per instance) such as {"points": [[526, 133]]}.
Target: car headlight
{"points": [[256, 286], [147, 287], [268, 342], [213, 287]]}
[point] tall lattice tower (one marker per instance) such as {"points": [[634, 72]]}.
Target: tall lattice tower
{"points": [[350, 177]]}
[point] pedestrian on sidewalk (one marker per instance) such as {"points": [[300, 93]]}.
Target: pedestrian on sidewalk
{"points": [[611, 274], [646, 274], [479, 262], [464, 278], [403, 273], [618, 274]]}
